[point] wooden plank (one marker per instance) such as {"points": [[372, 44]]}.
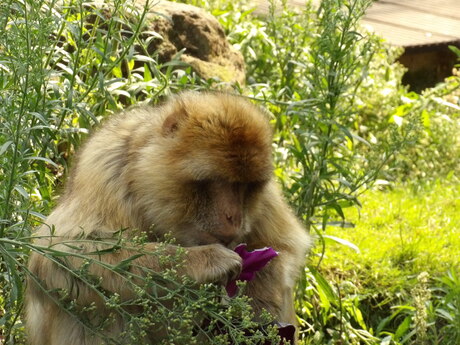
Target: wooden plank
{"points": [[445, 8], [405, 23], [423, 24], [403, 36]]}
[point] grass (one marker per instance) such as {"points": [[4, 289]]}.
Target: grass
{"points": [[400, 233], [393, 278]]}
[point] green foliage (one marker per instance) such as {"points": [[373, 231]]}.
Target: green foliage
{"points": [[172, 306], [314, 74], [331, 314], [63, 67], [446, 306], [400, 234], [343, 121], [437, 150]]}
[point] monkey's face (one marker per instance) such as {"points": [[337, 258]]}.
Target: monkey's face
{"points": [[217, 212], [211, 165]]}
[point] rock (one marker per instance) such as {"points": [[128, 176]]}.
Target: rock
{"points": [[206, 47]]}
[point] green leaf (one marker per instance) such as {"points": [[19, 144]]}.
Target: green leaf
{"points": [[343, 242], [131, 64], [116, 70], [337, 209], [47, 160], [403, 328], [445, 314], [455, 50], [147, 73], [124, 264], [39, 117], [22, 191], [37, 214], [425, 118], [327, 294], [5, 147]]}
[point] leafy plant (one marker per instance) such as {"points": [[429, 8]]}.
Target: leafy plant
{"points": [[446, 306], [331, 314], [436, 151], [63, 67], [170, 306]]}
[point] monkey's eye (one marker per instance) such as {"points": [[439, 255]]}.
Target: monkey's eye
{"points": [[254, 187], [200, 182]]}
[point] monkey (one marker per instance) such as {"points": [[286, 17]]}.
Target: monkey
{"points": [[199, 167]]}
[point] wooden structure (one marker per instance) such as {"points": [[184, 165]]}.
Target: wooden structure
{"points": [[412, 23], [424, 28]]}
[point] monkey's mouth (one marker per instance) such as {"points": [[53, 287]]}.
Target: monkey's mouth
{"points": [[205, 238], [213, 240]]}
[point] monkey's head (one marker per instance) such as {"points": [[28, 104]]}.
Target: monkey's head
{"points": [[210, 167]]}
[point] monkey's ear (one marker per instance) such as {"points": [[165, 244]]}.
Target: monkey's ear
{"points": [[174, 121]]}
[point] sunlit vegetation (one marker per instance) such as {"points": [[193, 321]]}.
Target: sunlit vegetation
{"points": [[372, 169]]}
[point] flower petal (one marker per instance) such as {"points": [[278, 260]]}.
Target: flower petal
{"points": [[253, 261], [256, 260]]}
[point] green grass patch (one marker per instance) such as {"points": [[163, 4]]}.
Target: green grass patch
{"points": [[399, 233]]}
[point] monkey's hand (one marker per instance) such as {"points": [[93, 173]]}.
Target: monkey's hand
{"points": [[212, 263]]}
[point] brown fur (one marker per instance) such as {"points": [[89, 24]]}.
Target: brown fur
{"points": [[199, 166]]}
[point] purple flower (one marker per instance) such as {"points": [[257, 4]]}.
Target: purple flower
{"points": [[253, 261]]}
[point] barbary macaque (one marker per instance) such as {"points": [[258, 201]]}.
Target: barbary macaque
{"points": [[198, 167]]}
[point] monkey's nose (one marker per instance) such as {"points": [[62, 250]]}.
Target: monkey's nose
{"points": [[234, 220], [230, 219]]}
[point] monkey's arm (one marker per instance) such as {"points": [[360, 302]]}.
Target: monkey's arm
{"points": [[119, 270]]}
